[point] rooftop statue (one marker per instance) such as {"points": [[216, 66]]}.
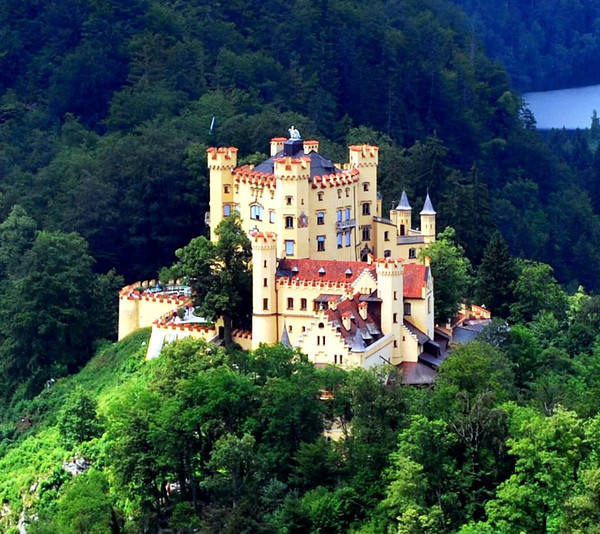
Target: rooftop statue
{"points": [[294, 133]]}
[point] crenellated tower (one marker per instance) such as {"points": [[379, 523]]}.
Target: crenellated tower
{"points": [[221, 162], [365, 158], [292, 176], [390, 273], [264, 294]]}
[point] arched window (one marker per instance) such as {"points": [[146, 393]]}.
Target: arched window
{"points": [[256, 212], [320, 217]]}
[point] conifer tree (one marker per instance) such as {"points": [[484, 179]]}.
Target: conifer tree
{"points": [[496, 276]]}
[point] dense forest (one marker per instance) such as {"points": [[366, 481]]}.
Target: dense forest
{"points": [[105, 109], [544, 45]]}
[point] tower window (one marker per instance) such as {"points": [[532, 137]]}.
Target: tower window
{"points": [[289, 222], [288, 201], [386, 236], [303, 303], [320, 243], [339, 192], [366, 233], [347, 192], [265, 304], [348, 239], [347, 214], [290, 303], [271, 216], [339, 241], [320, 196], [395, 317], [320, 217], [338, 215], [226, 189], [402, 229], [366, 208], [407, 308], [365, 186], [226, 210], [412, 253], [256, 212], [395, 295], [265, 282], [289, 248]]}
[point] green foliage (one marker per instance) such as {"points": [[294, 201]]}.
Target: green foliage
{"points": [[219, 273], [78, 419], [451, 272]]}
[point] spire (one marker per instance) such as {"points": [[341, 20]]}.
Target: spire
{"points": [[285, 338], [428, 207], [403, 204]]}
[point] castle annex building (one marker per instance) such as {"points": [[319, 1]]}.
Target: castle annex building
{"points": [[331, 275]]}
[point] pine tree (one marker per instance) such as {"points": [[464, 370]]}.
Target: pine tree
{"points": [[496, 276]]}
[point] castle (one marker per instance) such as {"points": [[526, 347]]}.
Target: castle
{"points": [[331, 276]]}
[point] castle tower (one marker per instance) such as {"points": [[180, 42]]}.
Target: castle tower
{"points": [[401, 215], [428, 221], [365, 158], [292, 173], [221, 161], [264, 296], [390, 274]]}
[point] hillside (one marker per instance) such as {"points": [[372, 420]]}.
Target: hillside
{"points": [[208, 440]]}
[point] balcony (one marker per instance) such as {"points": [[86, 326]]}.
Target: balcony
{"points": [[344, 225]]}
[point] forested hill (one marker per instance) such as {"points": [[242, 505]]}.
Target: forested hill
{"points": [[105, 109], [544, 45]]}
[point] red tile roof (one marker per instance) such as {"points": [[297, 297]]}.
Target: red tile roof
{"points": [[335, 271], [415, 279]]}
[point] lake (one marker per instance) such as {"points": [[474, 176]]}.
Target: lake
{"points": [[569, 108]]}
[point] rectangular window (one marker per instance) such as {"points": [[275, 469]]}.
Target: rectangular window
{"points": [[320, 217], [289, 248], [288, 201], [366, 233], [320, 243], [338, 216], [226, 210], [226, 189], [407, 308], [347, 214], [412, 253], [303, 304], [365, 186], [335, 358], [386, 236], [395, 317], [366, 208], [341, 359], [265, 282], [289, 222], [395, 295], [290, 303], [348, 239], [265, 304], [256, 212], [339, 240], [387, 253], [272, 217]]}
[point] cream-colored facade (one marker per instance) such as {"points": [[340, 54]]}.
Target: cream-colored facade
{"points": [[316, 229], [317, 209]]}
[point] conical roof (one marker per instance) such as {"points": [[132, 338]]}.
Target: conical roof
{"points": [[428, 207], [285, 338], [403, 204]]}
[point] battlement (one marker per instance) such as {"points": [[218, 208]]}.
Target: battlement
{"points": [[336, 180], [149, 294], [245, 174], [264, 240], [310, 146], [221, 158], [292, 168], [363, 155]]}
